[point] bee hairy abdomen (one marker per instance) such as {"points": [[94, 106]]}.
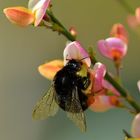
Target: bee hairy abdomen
{"points": [[65, 82]]}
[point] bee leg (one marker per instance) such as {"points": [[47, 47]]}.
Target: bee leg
{"points": [[83, 82], [86, 82]]}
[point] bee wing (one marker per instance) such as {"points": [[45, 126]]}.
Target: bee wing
{"points": [[75, 106], [47, 106]]}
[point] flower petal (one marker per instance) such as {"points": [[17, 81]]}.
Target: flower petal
{"points": [[19, 15], [113, 48], [119, 31], [104, 49], [40, 9], [136, 126], [32, 3], [98, 72], [101, 103], [74, 50], [110, 88], [49, 69]]}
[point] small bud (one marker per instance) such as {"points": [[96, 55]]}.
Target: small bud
{"points": [[112, 48], [119, 31], [73, 31]]}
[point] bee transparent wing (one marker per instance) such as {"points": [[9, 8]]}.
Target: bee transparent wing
{"points": [[47, 106], [75, 106]]}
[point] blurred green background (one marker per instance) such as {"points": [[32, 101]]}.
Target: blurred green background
{"points": [[22, 50]]}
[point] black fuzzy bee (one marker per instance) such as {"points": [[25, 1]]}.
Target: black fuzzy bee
{"points": [[66, 92]]}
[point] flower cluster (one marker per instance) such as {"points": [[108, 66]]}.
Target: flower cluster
{"points": [[100, 88], [104, 92], [25, 16]]}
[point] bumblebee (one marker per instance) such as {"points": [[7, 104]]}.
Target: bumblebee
{"points": [[66, 92]]}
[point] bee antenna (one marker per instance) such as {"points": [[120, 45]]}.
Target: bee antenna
{"points": [[84, 58]]}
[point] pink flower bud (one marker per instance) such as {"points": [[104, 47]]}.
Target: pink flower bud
{"points": [[101, 103], [119, 31], [112, 48]]}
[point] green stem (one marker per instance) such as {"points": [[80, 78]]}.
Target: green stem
{"points": [[119, 88], [116, 85], [65, 32], [126, 6], [127, 134], [123, 92]]}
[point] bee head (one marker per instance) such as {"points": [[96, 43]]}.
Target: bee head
{"points": [[74, 65]]}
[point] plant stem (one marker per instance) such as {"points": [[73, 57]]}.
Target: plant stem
{"points": [[126, 6], [65, 32], [119, 88], [123, 92], [127, 134], [109, 78]]}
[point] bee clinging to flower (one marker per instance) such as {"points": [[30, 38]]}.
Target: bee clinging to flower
{"points": [[70, 88], [66, 92]]}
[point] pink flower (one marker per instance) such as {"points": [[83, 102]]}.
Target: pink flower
{"points": [[112, 48], [98, 99], [25, 16], [98, 72], [119, 31], [97, 92], [74, 50], [103, 103], [38, 7], [102, 88]]}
